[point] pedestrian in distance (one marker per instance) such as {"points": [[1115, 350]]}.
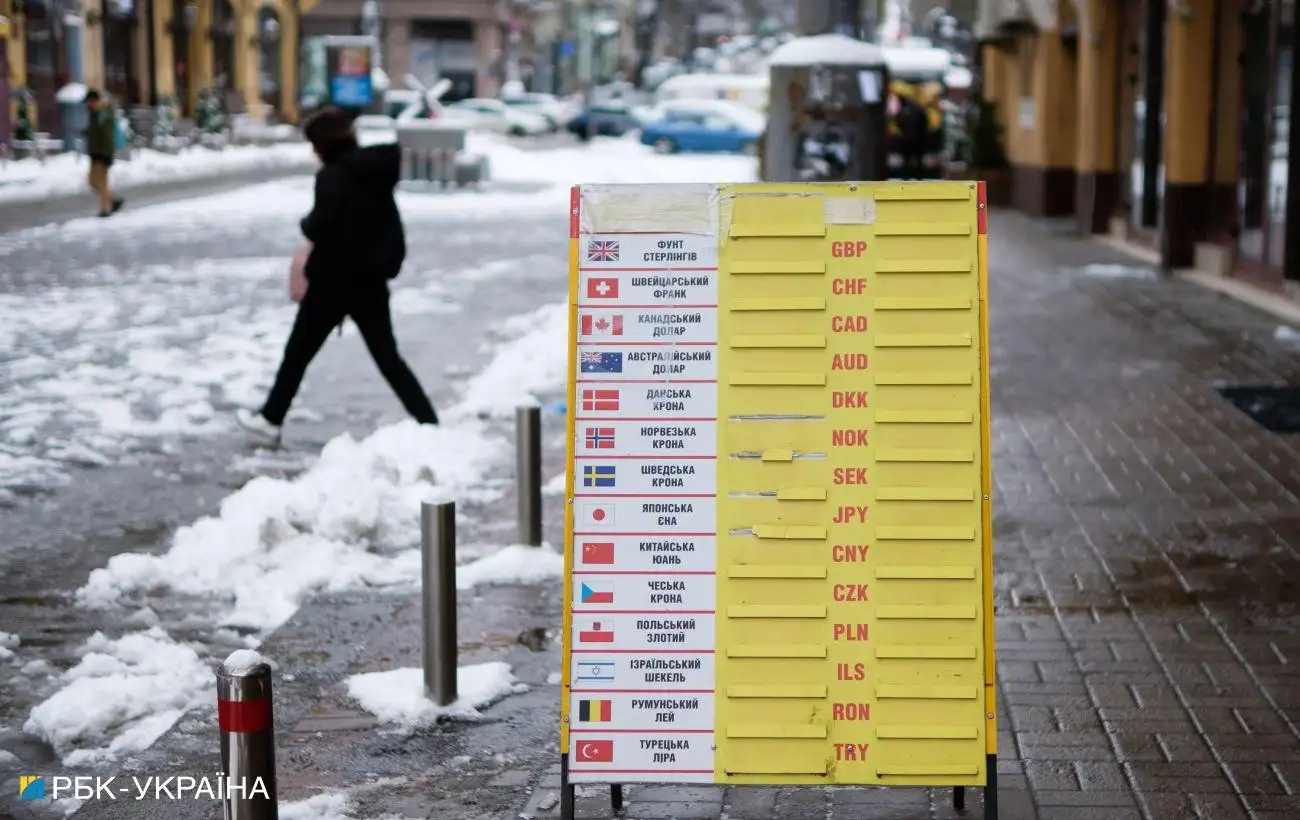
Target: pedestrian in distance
{"points": [[357, 246], [101, 145]]}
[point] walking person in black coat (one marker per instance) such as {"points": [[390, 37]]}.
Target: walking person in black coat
{"points": [[358, 245]]}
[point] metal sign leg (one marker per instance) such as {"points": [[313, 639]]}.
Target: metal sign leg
{"points": [[567, 796], [616, 796], [959, 798], [991, 789]]}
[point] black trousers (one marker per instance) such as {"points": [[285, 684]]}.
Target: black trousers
{"points": [[322, 310]]}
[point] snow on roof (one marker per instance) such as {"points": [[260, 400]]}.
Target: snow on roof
{"points": [[913, 61], [827, 49]]}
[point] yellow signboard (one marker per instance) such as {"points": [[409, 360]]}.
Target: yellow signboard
{"points": [[779, 545]]}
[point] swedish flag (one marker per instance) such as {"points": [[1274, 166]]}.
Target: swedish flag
{"points": [[598, 475]]}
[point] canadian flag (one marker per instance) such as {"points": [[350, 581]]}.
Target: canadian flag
{"points": [[602, 325]]}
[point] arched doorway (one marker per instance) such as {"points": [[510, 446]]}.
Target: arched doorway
{"points": [[46, 71], [223, 52], [118, 30], [268, 30]]}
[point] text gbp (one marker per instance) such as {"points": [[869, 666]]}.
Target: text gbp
{"points": [[848, 249]]}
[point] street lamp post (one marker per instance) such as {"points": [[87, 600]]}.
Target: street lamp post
{"points": [[372, 25]]}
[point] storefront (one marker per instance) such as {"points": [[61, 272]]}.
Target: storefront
{"points": [[46, 63], [222, 34], [118, 25], [184, 19], [1171, 120], [268, 29], [1268, 58]]}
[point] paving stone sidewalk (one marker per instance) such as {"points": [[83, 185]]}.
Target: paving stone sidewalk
{"points": [[1147, 589], [1147, 568]]}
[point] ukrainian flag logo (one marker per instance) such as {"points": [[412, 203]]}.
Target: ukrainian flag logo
{"points": [[31, 787]]}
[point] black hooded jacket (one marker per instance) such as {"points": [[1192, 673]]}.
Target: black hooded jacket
{"points": [[354, 226]]}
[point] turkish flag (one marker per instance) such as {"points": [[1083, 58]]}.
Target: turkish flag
{"points": [[595, 751], [598, 552]]}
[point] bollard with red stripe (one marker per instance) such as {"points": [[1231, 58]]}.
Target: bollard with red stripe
{"points": [[247, 737]]}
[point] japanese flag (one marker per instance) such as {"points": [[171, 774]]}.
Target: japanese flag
{"points": [[596, 515]]}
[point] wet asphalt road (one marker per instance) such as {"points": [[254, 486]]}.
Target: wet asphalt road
{"points": [[105, 315]]}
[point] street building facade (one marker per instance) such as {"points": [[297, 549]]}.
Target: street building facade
{"points": [[1164, 123], [155, 52], [475, 44]]}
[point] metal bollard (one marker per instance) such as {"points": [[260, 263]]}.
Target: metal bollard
{"points": [[438, 579], [528, 473], [247, 739]]}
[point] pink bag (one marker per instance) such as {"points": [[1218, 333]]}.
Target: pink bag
{"points": [[298, 274]]}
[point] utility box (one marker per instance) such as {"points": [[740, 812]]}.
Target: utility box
{"points": [[827, 113]]}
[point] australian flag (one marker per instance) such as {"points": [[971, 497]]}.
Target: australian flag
{"points": [[602, 250], [602, 362]]}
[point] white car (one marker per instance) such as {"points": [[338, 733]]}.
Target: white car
{"points": [[496, 116], [545, 106], [375, 129]]}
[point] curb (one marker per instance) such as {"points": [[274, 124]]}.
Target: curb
{"points": [[1276, 305]]}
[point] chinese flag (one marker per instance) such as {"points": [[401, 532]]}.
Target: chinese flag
{"points": [[595, 751], [598, 552]]}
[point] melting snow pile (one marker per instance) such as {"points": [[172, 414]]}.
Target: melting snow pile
{"points": [[275, 542], [397, 697], [130, 690], [8, 643], [516, 564], [332, 806]]}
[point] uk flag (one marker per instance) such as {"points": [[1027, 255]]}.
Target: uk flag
{"points": [[602, 250]]}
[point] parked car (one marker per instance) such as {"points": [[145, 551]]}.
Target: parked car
{"points": [[546, 106], [700, 131], [608, 119], [375, 129], [494, 115]]}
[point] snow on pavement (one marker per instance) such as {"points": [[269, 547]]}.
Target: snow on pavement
{"points": [[30, 180], [128, 690], [515, 564], [397, 697], [350, 520]]}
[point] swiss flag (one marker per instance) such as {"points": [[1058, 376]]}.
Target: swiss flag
{"points": [[602, 325], [595, 751], [598, 552], [602, 287]]}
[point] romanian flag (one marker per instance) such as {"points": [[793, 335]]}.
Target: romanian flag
{"points": [[594, 711]]}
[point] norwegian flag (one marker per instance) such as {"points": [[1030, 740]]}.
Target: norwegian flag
{"points": [[593, 400], [602, 325], [600, 438], [602, 250]]}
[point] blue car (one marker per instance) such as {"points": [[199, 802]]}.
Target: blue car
{"points": [[608, 119], [701, 131]]}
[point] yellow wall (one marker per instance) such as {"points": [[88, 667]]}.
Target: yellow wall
{"points": [[1228, 138], [1040, 83], [1096, 90], [288, 61], [1188, 73], [17, 52], [92, 46], [164, 77]]}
